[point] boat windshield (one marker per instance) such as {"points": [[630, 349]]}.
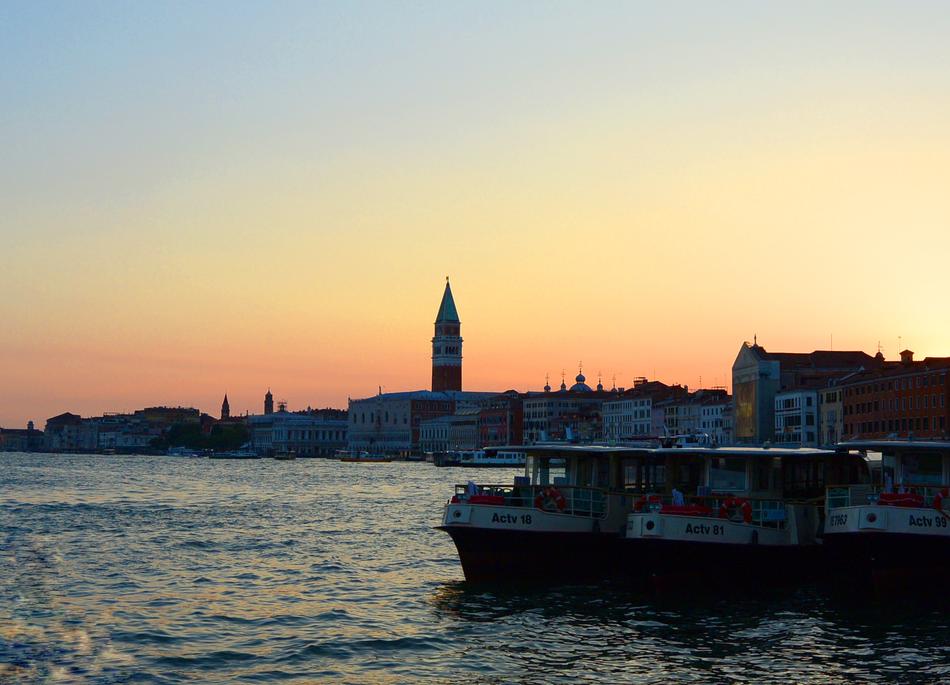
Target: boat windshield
{"points": [[922, 468], [545, 470]]}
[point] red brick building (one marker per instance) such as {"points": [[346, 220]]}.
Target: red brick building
{"points": [[899, 399], [501, 420]]}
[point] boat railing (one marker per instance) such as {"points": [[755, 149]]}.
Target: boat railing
{"points": [[838, 496], [768, 513], [560, 499]]}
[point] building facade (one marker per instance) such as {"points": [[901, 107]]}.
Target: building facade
{"points": [[501, 420], [21, 439], [796, 418], [568, 414], [902, 399], [758, 375], [69, 433], [312, 433], [630, 415], [434, 434], [830, 416], [391, 423]]}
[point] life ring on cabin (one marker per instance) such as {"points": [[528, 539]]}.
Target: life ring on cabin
{"points": [[736, 503], [938, 498], [549, 499]]}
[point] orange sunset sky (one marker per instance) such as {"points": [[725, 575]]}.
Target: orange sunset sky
{"points": [[200, 199]]}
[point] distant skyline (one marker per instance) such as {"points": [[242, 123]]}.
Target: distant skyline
{"points": [[224, 197]]}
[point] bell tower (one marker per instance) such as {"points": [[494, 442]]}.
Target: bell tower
{"points": [[447, 345]]}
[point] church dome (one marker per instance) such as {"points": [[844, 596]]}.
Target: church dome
{"points": [[580, 385]]}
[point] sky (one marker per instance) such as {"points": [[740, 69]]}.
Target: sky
{"points": [[225, 197]]}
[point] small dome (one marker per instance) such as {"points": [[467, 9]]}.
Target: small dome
{"points": [[579, 378]]}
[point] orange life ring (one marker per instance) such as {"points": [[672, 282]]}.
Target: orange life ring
{"points": [[736, 503], [550, 495], [938, 498]]}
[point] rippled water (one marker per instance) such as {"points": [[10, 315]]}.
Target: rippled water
{"points": [[163, 570]]}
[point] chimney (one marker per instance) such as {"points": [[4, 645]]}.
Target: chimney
{"points": [[907, 357]]}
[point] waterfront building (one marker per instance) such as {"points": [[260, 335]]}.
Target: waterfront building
{"points": [[713, 407], [169, 416], [125, 432], [68, 433], [758, 375], [447, 346], [831, 412], [310, 433], [796, 418], [566, 414], [501, 420], [899, 399], [21, 439], [434, 434], [630, 415], [391, 422]]}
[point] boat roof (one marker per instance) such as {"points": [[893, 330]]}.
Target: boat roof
{"points": [[893, 446], [612, 450]]}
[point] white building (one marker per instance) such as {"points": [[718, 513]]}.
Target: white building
{"points": [[830, 416], [434, 434], [796, 417], [317, 433], [391, 423], [627, 417]]}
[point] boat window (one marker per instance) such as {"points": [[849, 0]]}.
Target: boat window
{"points": [[766, 474], [922, 469], [546, 470], [602, 473], [727, 474], [629, 474], [654, 477], [888, 471], [687, 475]]}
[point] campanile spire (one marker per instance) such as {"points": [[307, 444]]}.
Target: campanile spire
{"points": [[447, 345]]}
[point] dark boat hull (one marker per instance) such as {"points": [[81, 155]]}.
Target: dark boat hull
{"points": [[675, 564], [511, 556], [888, 562]]}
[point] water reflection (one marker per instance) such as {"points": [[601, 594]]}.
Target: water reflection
{"points": [[806, 635], [158, 570]]}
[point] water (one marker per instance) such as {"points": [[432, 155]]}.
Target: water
{"points": [[164, 570]]}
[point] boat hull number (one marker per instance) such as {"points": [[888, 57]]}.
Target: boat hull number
{"points": [[524, 519]]}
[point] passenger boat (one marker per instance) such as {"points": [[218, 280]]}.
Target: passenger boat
{"points": [[288, 455], [561, 520], [728, 515], [236, 454], [364, 457], [181, 452], [491, 458], [445, 459], [894, 533]]}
